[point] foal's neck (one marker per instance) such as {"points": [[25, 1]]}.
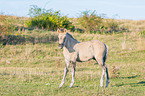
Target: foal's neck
{"points": [[70, 43]]}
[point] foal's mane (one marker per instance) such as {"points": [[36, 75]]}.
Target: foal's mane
{"points": [[71, 37]]}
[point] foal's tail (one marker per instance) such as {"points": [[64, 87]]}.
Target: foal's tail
{"points": [[106, 53]]}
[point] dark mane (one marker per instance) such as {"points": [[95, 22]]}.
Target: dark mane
{"points": [[71, 36]]}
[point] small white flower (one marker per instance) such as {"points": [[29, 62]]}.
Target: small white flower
{"points": [[8, 61], [47, 84]]}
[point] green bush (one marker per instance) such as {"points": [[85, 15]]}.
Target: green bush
{"points": [[110, 26], [6, 28], [47, 19], [90, 21]]}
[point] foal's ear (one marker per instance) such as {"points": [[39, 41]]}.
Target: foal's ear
{"points": [[58, 31], [65, 30]]}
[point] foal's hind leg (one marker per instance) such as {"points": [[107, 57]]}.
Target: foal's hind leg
{"points": [[105, 72], [65, 72]]}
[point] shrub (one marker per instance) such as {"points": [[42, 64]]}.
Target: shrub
{"points": [[5, 26], [113, 26], [47, 19], [109, 26], [90, 21]]}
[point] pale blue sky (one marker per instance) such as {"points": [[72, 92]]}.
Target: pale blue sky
{"points": [[126, 9]]}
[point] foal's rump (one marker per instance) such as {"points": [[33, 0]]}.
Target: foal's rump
{"points": [[90, 49], [99, 48]]}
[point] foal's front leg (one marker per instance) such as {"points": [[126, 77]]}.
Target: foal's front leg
{"points": [[65, 72], [73, 74]]}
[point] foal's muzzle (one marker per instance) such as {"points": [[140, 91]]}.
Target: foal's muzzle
{"points": [[61, 46]]}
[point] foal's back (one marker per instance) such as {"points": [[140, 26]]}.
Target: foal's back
{"points": [[90, 49]]}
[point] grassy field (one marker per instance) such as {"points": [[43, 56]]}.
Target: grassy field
{"points": [[35, 67]]}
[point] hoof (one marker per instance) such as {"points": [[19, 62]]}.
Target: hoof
{"points": [[101, 85], [60, 85], [71, 85], [107, 83]]}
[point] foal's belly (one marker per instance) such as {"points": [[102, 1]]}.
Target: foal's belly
{"points": [[85, 55], [84, 58], [85, 51]]}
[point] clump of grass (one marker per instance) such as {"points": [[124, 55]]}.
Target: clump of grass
{"points": [[114, 72], [124, 42], [140, 43], [58, 63]]}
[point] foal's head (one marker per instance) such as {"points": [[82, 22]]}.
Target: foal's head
{"points": [[62, 36]]}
